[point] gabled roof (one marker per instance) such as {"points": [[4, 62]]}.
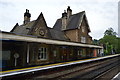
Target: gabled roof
{"points": [[58, 25], [14, 27], [57, 35], [73, 22], [37, 22], [23, 29], [27, 29]]}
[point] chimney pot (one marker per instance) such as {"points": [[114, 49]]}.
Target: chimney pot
{"points": [[26, 10], [64, 14], [27, 16], [69, 12]]}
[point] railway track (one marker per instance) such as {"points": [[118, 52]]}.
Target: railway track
{"points": [[100, 70], [83, 71], [109, 74]]}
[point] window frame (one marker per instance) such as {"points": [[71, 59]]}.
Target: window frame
{"points": [[83, 39], [42, 53]]}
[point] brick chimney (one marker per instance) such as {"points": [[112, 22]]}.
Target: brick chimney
{"points": [[64, 20], [27, 16]]}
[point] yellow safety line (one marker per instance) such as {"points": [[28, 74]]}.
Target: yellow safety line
{"points": [[39, 66], [29, 68], [50, 65]]}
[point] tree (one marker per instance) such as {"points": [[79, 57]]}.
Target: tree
{"points": [[110, 42], [118, 45], [110, 31], [95, 42]]}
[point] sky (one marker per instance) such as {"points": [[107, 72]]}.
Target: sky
{"points": [[101, 14], [119, 20]]}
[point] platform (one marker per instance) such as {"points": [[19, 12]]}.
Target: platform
{"points": [[117, 77], [38, 68]]}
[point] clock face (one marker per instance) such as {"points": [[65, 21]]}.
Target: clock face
{"points": [[42, 32]]}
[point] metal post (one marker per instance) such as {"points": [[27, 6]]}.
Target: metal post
{"points": [[16, 55], [15, 62], [28, 53]]}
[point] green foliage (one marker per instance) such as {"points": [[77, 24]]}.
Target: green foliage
{"points": [[95, 42], [110, 31], [110, 42], [118, 45]]}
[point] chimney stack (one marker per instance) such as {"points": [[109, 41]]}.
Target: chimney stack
{"points": [[64, 20], [65, 17], [27, 16]]}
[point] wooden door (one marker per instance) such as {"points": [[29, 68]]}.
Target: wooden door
{"points": [[65, 53]]}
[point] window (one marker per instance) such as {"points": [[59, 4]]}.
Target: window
{"points": [[83, 39], [5, 55], [78, 52], [55, 53], [83, 29], [42, 53]]}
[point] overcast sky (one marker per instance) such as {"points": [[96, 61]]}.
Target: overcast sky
{"points": [[101, 14]]}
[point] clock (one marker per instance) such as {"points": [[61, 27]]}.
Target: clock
{"points": [[42, 32]]}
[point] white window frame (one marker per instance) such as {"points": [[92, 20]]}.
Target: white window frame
{"points": [[42, 53], [83, 39]]}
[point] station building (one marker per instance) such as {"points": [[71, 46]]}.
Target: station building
{"points": [[34, 43]]}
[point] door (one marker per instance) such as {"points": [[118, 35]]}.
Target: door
{"points": [[65, 54]]}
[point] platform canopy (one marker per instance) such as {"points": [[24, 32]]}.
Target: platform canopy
{"points": [[18, 37]]}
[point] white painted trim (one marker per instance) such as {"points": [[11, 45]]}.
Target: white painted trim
{"points": [[28, 53], [9, 36]]}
